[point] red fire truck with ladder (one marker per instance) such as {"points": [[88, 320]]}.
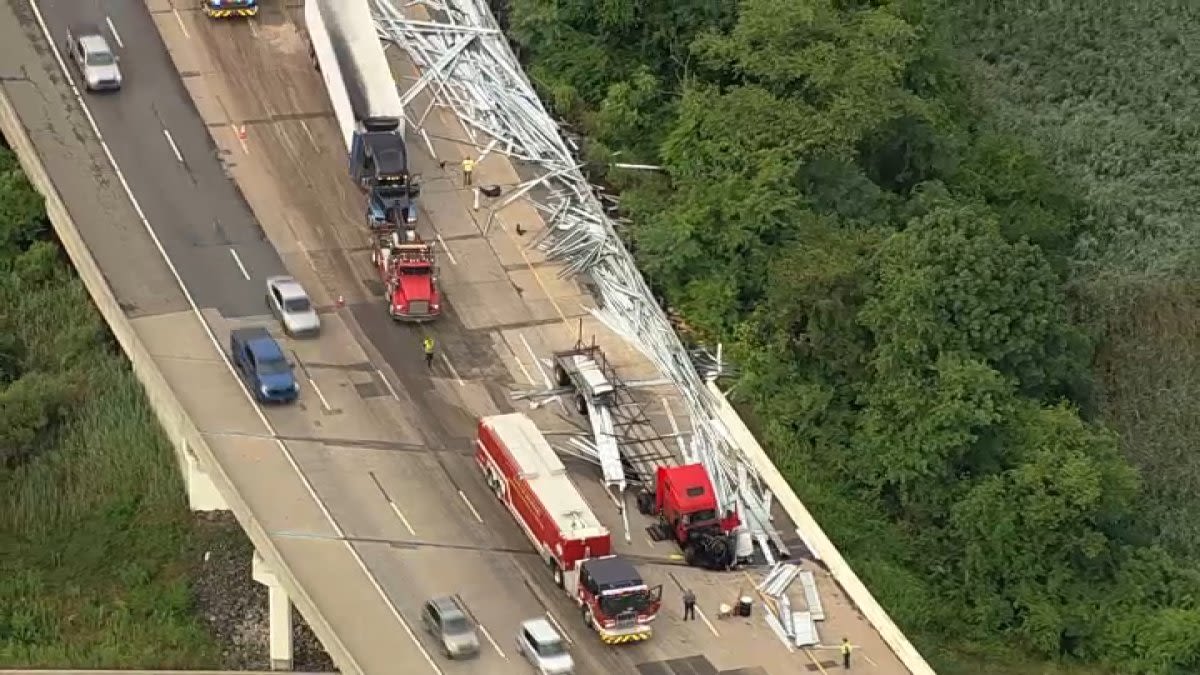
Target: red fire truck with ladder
{"points": [[408, 271], [528, 477]]}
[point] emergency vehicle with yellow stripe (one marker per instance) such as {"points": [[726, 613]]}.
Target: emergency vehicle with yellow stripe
{"points": [[530, 480], [224, 9]]}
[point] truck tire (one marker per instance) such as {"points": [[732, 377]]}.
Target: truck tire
{"points": [[581, 405], [561, 378], [645, 503], [557, 572], [588, 620]]}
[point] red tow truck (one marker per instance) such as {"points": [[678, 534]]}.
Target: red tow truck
{"points": [[530, 480], [408, 270]]}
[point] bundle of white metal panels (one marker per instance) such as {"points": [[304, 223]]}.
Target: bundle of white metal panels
{"points": [[793, 627], [467, 66]]}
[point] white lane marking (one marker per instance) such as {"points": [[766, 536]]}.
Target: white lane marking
{"points": [[536, 363], [447, 250], [308, 132], [174, 148], [113, 30], [182, 27], [253, 28], [238, 261], [471, 506], [240, 132], [707, 622], [212, 338], [453, 371], [558, 625], [483, 629], [545, 379], [324, 403], [387, 383], [528, 377], [399, 514]]}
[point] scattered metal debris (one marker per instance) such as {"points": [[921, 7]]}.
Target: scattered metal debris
{"points": [[795, 628], [468, 67]]}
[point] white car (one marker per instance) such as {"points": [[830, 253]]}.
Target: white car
{"points": [[290, 304], [88, 49], [543, 647]]}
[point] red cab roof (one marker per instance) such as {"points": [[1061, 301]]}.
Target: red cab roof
{"points": [[690, 487]]}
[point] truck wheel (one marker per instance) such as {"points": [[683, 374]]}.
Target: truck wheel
{"points": [[581, 405], [645, 503], [690, 554], [560, 376], [587, 617], [558, 574]]}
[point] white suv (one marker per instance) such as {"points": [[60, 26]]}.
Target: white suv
{"points": [[88, 49], [538, 642]]}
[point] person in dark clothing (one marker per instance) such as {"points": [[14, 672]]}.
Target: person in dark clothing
{"points": [[689, 605]]}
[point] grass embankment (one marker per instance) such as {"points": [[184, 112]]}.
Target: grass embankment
{"points": [[1108, 90], [96, 541]]}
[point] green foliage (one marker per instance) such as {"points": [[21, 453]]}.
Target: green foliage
{"points": [[94, 534], [914, 276]]}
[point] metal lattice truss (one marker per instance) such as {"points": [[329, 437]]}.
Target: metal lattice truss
{"points": [[468, 67]]}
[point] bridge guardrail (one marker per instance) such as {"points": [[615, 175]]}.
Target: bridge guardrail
{"points": [[817, 541]]}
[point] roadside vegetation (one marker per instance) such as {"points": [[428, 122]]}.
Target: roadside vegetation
{"points": [[96, 542], [951, 245]]}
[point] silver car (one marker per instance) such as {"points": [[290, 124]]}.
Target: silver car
{"points": [[447, 620], [97, 63], [543, 647], [290, 304]]}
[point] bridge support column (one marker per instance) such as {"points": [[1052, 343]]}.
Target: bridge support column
{"points": [[202, 493], [281, 615]]}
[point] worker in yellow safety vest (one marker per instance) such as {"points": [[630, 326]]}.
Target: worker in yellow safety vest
{"points": [[428, 352], [468, 168], [846, 653]]}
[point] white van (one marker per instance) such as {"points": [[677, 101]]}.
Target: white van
{"points": [[544, 648]]}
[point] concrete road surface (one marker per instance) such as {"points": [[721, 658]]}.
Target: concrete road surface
{"points": [[162, 147]]}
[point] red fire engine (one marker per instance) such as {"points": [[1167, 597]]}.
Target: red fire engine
{"points": [[529, 478], [408, 271]]}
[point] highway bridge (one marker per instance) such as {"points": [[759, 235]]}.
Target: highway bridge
{"points": [[219, 165]]}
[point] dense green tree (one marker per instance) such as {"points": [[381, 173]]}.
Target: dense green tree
{"points": [[889, 270], [951, 282]]}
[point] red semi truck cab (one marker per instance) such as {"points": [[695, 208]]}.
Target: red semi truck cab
{"points": [[530, 480], [408, 271]]}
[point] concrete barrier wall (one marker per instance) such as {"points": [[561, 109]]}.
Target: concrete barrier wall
{"points": [[180, 429], [151, 672], [816, 539]]}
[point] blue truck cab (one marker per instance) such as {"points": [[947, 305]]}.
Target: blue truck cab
{"points": [[261, 363]]}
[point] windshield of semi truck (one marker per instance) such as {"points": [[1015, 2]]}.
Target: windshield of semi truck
{"points": [[392, 191]]}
